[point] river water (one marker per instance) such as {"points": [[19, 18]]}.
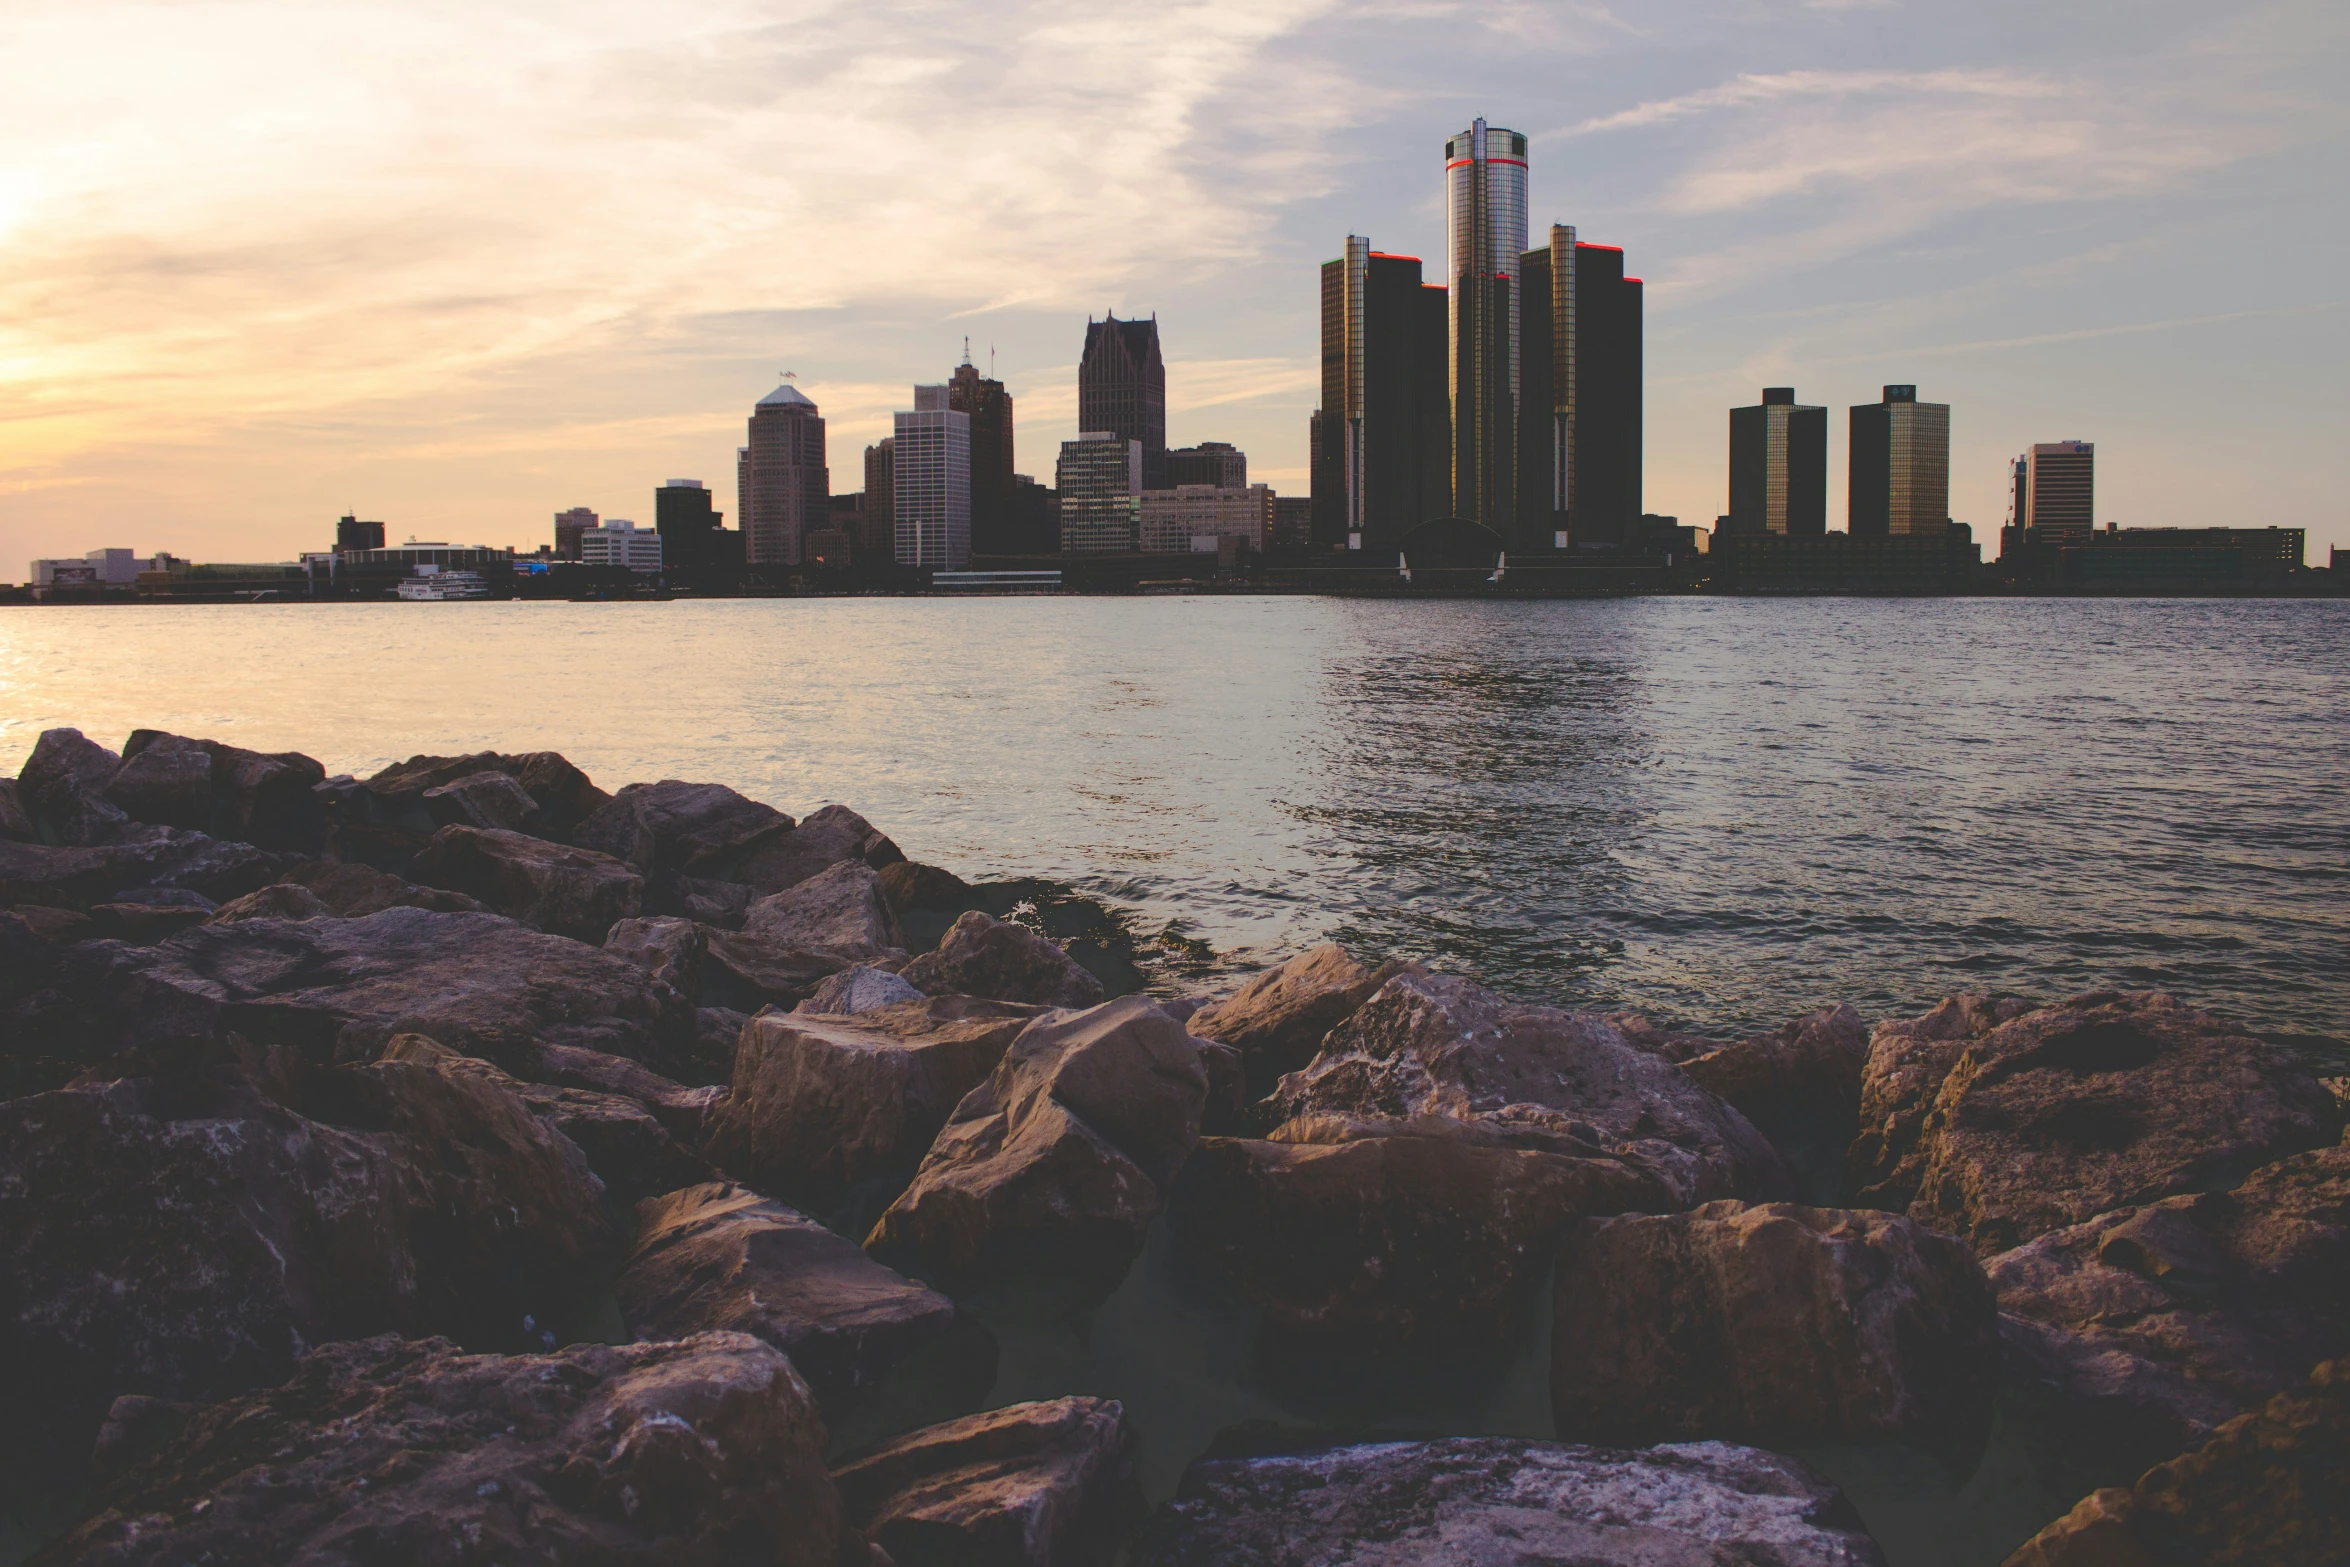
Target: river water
{"points": [[1722, 812]]}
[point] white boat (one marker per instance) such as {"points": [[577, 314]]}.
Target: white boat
{"points": [[445, 585]]}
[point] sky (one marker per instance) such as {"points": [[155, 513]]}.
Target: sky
{"points": [[459, 266]]}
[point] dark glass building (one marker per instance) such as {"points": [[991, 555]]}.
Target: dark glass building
{"points": [[1485, 230], [352, 534], [1779, 467], [1899, 467], [682, 515], [877, 530], [990, 407], [1382, 450], [1219, 463], [1122, 390], [1579, 443]]}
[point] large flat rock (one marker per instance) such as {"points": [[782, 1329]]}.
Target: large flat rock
{"points": [[560, 888], [1278, 1019]]}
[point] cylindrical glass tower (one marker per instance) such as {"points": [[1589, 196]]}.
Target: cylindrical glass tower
{"points": [[1485, 229]]}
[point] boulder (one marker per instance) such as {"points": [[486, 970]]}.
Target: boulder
{"points": [[2269, 1486], [672, 829], [563, 890], [1505, 1502], [822, 1104], [717, 1031], [15, 822], [561, 795], [1048, 1484], [144, 918], [56, 926], [985, 957], [747, 971], [1435, 1045], [858, 988], [684, 1111], [387, 1450], [1809, 1066], [1908, 1059], [1276, 1021], [268, 799], [138, 859], [1063, 1157], [2102, 1102], [669, 949], [2173, 1317], [827, 838], [277, 901], [718, 1257], [1774, 1324], [340, 989], [63, 788], [354, 891], [909, 886], [489, 799], [839, 909], [1386, 1243], [168, 783]]}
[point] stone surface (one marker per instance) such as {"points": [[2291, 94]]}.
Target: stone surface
{"points": [[487, 799], [2178, 1315], [821, 1103], [563, 796], [691, 1454], [1278, 1019], [1774, 1324], [670, 949], [672, 829], [1811, 1065], [1388, 1242], [986, 957], [167, 783], [353, 891], [839, 910], [2271, 1486], [277, 901], [1064, 1156], [2102, 1102], [1047, 1484], [139, 858], [15, 821], [1505, 1502], [827, 838], [268, 799], [908, 885], [747, 971], [1435, 1045], [563, 890], [858, 988], [716, 1256], [684, 1111], [1908, 1059], [63, 788]]}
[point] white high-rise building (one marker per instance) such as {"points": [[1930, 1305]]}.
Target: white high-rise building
{"points": [[620, 542], [930, 480]]}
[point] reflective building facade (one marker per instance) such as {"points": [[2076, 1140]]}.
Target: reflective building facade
{"points": [[1899, 467], [1381, 452], [1485, 229], [1779, 466], [1579, 431]]}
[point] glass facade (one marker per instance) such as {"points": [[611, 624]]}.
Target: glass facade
{"points": [[785, 487], [930, 480], [1099, 478], [1485, 232]]}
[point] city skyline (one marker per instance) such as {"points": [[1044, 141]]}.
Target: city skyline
{"points": [[1833, 198]]}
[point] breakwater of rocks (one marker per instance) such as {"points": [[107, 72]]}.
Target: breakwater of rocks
{"points": [[467, 1164]]}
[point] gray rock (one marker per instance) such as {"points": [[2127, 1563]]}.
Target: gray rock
{"points": [[840, 910], [827, 838], [562, 794], [1505, 1502], [672, 829], [668, 948], [988, 958], [139, 859], [63, 787], [858, 988], [563, 890], [746, 971], [487, 799], [268, 799], [278, 901], [168, 783], [354, 891], [15, 822]]}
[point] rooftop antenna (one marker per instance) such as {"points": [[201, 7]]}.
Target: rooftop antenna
{"points": [[966, 348], [991, 361], [788, 376]]}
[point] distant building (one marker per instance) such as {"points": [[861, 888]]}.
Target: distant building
{"points": [[1579, 386], [407, 559], [785, 487], [1779, 467], [1099, 478], [100, 568], [687, 524], [1899, 466], [620, 542], [2156, 560], [569, 525], [2056, 486], [835, 546], [1382, 439], [1219, 463], [877, 530], [1293, 522], [1193, 517], [1122, 389], [352, 534], [931, 483], [1036, 514], [990, 408], [1485, 221]]}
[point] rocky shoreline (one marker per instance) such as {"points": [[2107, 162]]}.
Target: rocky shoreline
{"points": [[464, 1164]]}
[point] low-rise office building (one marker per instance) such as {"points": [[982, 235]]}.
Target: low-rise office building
{"points": [[1195, 516], [620, 542]]}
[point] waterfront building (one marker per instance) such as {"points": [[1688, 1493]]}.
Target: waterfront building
{"points": [[1485, 229], [1899, 466], [1381, 441], [930, 483], [1219, 463], [1099, 478], [100, 568], [1193, 517], [686, 524], [785, 489], [877, 531], [620, 542], [1036, 516], [990, 408], [1779, 466], [569, 525], [2056, 489], [1293, 522], [352, 534], [1580, 396], [1122, 388], [410, 559]]}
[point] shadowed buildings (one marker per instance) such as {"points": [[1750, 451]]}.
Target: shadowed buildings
{"points": [[1485, 230], [784, 488], [1381, 441], [1779, 467], [688, 527], [930, 483], [1219, 463], [1899, 467], [993, 523], [877, 525], [352, 534], [1579, 384], [1122, 389], [569, 525], [1099, 478]]}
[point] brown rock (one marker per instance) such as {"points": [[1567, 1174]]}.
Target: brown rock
{"points": [[1775, 1325], [143, 920], [57, 926], [1034, 1485], [908, 886], [488, 799], [63, 788], [821, 1104], [687, 1454], [1278, 1019], [1064, 1156], [719, 1257], [2268, 1487], [167, 781], [15, 822], [1908, 1059], [277, 901], [1435, 1045], [839, 909], [564, 891], [562, 794], [248, 796], [1384, 1243], [139, 859], [825, 839], [670, 949], [684, 1111], [672, 829], [746, 971], [996, 961], [354, 891], [1816, 1059]]}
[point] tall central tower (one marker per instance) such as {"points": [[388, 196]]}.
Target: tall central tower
{"points": [[1485, 230]]}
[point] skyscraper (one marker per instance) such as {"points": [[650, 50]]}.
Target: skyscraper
{"points": [[786, 490], [1899, 467], [1122, 388], [2057, 482], [1381, 447], [1485, 228], [1099, 478], [1779, 466], [1579, 386], [877, 529], [569, 525], [1210, 462], [993, 526], [930, 482], [683, 517]]}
